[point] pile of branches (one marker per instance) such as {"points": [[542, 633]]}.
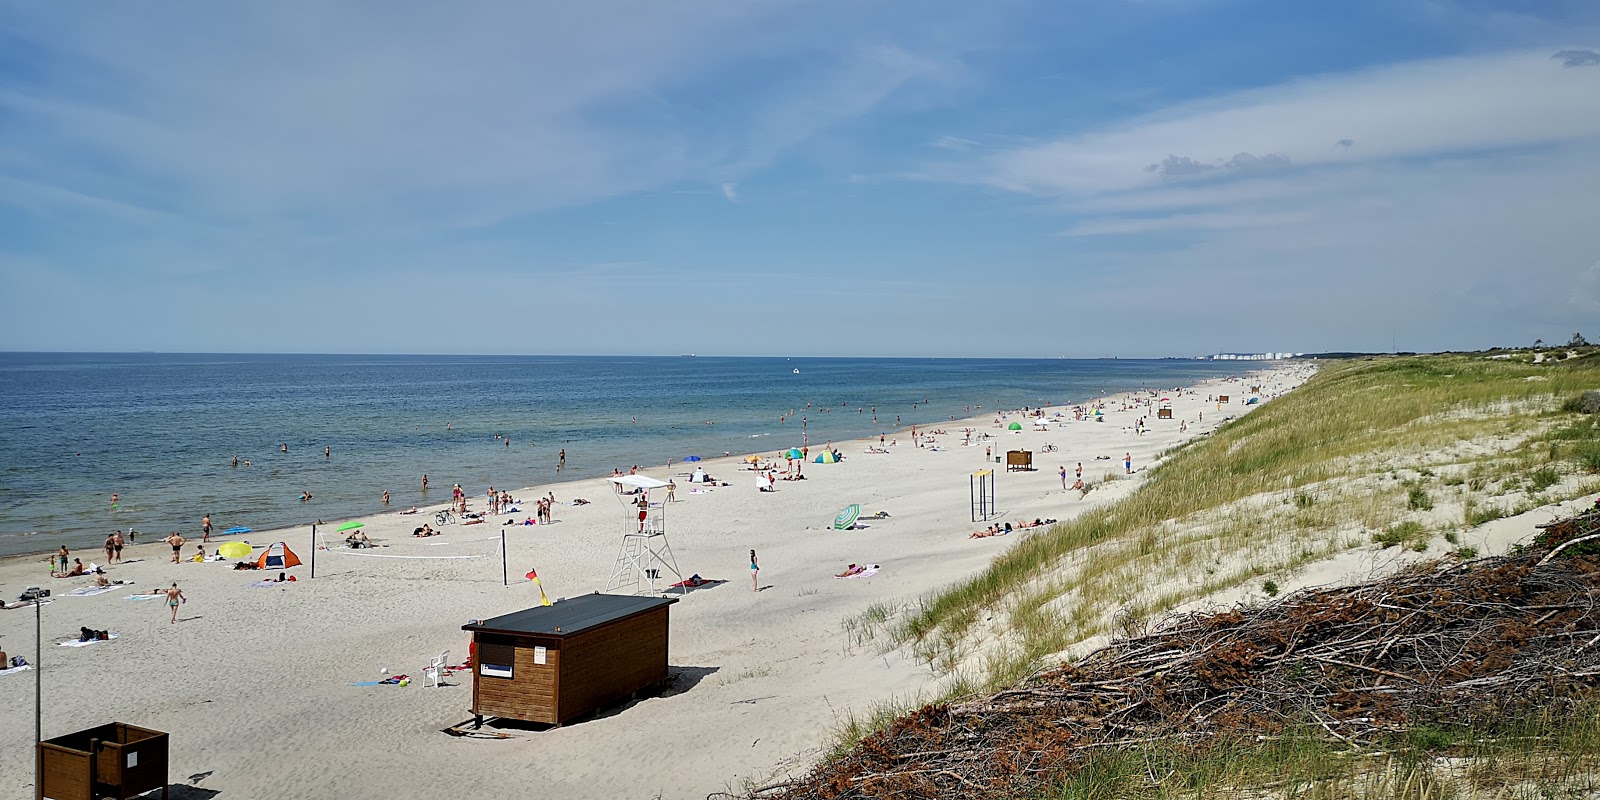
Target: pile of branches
{"points": [[1451, 642]]}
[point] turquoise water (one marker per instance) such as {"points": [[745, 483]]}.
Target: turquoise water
{"points": [[160, 430]]}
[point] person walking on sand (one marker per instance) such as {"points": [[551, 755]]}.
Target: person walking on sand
{"points": [[61, 559], [1127, 463], [175, 598], [1078, 473], [1063, 476], [205, 528], [755, 573], [176, 540], [672, 492]]}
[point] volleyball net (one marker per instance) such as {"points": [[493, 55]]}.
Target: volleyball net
{"points": [[470, 558]]}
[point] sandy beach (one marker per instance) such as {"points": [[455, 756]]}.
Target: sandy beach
{"points": [[255, 684]]}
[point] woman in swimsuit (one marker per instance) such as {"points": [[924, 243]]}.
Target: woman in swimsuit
{"points": [[755, 569], [174, 598]]}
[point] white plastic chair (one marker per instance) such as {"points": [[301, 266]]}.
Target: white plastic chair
{"points": [[435, 669]]}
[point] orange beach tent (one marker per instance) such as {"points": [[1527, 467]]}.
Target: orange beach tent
{"points": [[278, 556]]}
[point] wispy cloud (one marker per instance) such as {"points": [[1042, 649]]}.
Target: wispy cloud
{"points": [[730, 191], [1577, 58], [1419, 109], [412, 117]]}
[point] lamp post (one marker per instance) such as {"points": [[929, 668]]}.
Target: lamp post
{"points": [[38, 693]]}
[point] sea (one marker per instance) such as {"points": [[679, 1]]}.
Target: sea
{"points": [[161, 431]]}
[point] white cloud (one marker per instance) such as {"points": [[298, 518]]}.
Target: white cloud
{"points": [[416, 116], [1418, 109], [731, 192]]}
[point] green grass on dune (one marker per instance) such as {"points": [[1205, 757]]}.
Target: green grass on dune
{"points": [[1349, 426]]}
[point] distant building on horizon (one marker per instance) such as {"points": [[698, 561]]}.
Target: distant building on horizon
{"points": [[1250, 356]]}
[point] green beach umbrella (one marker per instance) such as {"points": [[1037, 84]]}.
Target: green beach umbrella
{"points": [[349, 526], [1016, 426], [847, 517], [794, 452]]}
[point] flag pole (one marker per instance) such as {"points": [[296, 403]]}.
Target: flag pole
{"points": [[505, 574]]}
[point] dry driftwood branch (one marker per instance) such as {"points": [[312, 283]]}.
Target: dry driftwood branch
{"points": [[1450, 642]]}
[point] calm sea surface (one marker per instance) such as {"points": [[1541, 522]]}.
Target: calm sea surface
{"points": [[161, 430]]}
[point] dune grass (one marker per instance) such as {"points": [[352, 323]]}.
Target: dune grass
{"points": [[1343, 451], [1554, 753]]}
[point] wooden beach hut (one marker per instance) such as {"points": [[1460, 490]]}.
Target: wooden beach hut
{"points": [[112, 760], [554, 663]]}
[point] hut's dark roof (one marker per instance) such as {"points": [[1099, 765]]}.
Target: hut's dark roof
{"points": [[570, 616]]}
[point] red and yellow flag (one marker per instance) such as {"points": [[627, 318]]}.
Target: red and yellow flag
{"points": [[533, 575]]}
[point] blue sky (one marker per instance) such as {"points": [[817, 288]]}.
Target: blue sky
{"points": [[1165, 177]]}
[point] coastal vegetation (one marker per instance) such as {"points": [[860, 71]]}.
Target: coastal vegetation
{"points": [[1411, 452]]}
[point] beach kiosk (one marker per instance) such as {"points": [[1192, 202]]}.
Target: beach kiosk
{"points": [[110, 760], [554, 663]]}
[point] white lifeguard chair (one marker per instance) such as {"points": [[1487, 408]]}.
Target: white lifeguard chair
{"points": [[645, 557]]}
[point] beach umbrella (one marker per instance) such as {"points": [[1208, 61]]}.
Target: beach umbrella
{"points": [[239, 529], [349, 526], [234, 550], [753, 459], [691, 459], [1015, 426], [794, 452], [826, 457], [846, 518]]}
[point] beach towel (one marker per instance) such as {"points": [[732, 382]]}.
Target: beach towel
{"points": [[23, 668], [871, 570], [76, 643], [90, 591], [28, 603], [392, 680], [143, 596], [268, 584]]}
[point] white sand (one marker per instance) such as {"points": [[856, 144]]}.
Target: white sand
{"points": [[255, 683]]}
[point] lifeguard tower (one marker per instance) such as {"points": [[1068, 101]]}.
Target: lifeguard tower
{"points": [[645, 555]]}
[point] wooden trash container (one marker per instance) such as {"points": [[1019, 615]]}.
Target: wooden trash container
{"points": [[1222, 398], [1163, 413], [112, 760], [551, 664], [1019, 460]]}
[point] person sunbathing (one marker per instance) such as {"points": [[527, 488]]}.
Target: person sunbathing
{"points": [[993, 530], [853, 569], [411, 510]]}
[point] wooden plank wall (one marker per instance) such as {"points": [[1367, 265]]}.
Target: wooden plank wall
{"points": [[530, 694], [608, 663], [66, 774]]}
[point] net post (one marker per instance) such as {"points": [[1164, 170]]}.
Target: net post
{"points": [[505, 574], [313, 549]]}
